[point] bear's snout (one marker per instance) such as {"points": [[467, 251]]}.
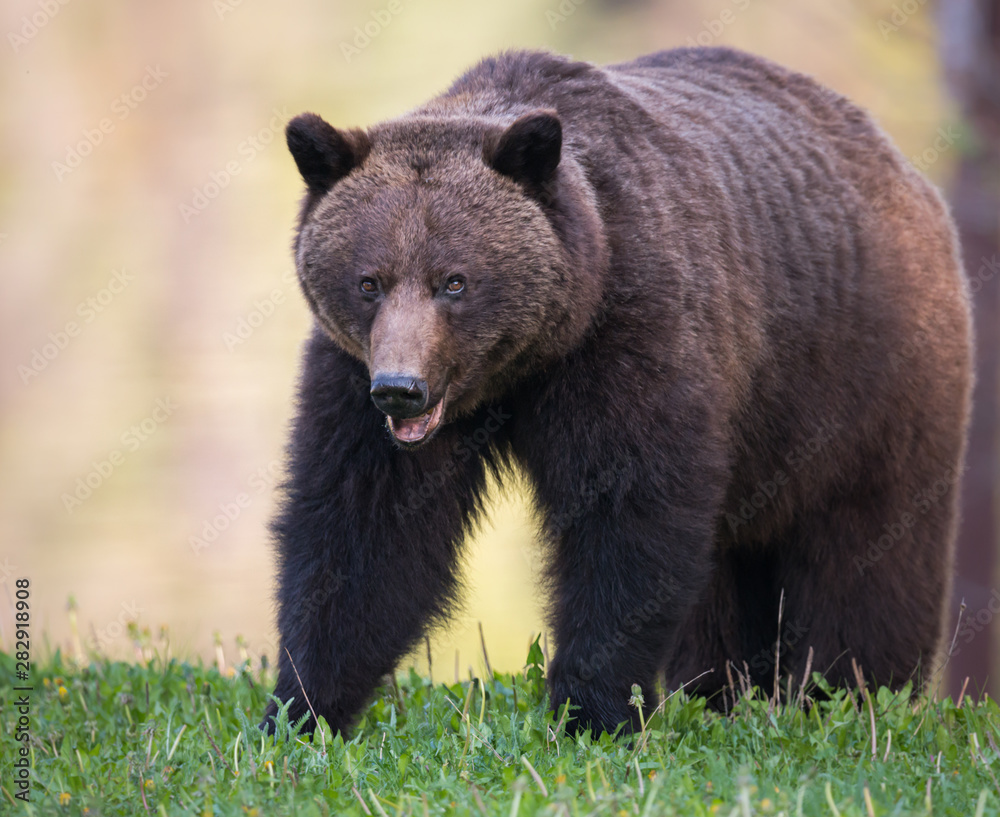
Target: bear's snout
{"points": [[403, 399], [400, 396]]}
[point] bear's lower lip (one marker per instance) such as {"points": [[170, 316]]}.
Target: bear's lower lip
{"points": [[414, 430]]}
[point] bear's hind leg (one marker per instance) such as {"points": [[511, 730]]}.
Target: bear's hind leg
{"points": [[734, 622], [867, 580]]}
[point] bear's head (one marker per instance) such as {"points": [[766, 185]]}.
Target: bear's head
{"points": [[451, 255]]}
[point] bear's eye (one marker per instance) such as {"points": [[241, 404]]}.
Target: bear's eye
{"points": [[369, 286], [455, 285]]}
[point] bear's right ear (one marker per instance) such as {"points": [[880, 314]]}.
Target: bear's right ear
{"points": [[323, 154], [528, 151]]}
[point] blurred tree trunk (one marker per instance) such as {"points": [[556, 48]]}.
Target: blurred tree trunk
{"points": [[970, 51]]}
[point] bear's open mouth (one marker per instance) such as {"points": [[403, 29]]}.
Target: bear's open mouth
{"points": [[414, 430]]}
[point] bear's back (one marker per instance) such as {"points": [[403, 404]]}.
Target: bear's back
{"points": [[753, 217]]}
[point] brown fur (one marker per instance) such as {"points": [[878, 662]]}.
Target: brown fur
{"points": [[728, 324]]}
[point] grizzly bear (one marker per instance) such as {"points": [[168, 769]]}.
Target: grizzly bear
{"points": [[702, 303]]}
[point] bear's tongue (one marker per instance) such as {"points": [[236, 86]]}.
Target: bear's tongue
{"points": [[414, 429]]}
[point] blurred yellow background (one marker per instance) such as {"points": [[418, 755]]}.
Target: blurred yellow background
{"points": [[151, 322]]}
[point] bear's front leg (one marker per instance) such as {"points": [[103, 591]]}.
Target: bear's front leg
{"points": [[630, 517], [367, 541], [623, 583]]}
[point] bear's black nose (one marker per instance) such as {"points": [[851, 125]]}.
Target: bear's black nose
{"points": [[399, 396]]}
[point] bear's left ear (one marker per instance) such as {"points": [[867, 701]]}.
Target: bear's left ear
{"points": [[323, 154], [527, 151]]}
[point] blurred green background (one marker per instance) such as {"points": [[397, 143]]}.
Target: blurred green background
{"points": [[150, 319]]}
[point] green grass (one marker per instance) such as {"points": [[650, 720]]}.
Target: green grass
{"points": [[167, 737]]}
